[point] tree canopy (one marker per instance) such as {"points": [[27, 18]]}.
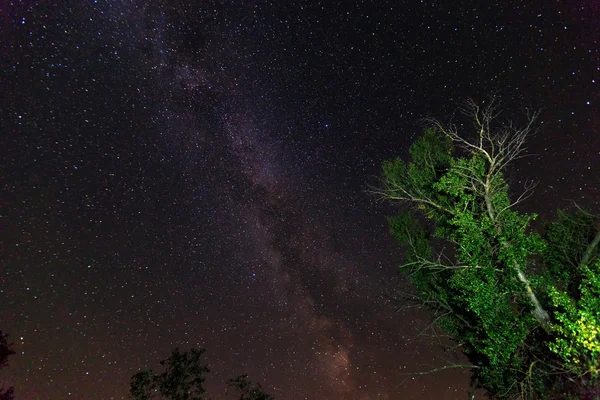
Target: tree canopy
{"points": [[523, 306], [5, 352], [183, 379]]}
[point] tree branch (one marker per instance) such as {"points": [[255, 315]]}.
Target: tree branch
{"points": [[587, 255], [438, 369]]}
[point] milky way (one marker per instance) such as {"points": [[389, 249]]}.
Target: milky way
{"points": [[188, 174]]}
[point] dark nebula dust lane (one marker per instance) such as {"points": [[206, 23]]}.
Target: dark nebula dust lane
{"points": [[195, 174]]}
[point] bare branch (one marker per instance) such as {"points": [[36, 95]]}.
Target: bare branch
{"points": [[527, 193], [590, 249], [392, 190], [445, 367]]}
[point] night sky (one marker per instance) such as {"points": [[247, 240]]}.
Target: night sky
{"points": [[195, 174]]}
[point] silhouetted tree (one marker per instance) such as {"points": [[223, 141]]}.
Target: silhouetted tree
{"points": [[183, 379], [5, 352], [249, 390]]}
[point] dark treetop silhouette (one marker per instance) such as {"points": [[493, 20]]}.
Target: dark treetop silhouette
{"points": [[183, 379]]}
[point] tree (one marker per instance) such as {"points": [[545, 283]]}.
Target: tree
{"points": [[5, 351], [248, 390], [183, 379], [573, 289], [523, 309]]}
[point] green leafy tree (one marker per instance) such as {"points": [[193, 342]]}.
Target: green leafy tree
{"points": [[183, 379], [523, 309], [573, 289]]}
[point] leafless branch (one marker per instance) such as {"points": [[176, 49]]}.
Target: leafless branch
{"points": [[527, 193], [445, 367]]}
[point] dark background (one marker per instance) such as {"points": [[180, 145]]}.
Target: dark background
{"points": [[194, 173]]}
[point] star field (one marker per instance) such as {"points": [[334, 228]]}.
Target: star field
{"points": [[194, 174]]}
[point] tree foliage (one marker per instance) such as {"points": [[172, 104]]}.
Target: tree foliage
{"points": [[183, 379], [247, 389], [5, 352], [524, 307]]}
